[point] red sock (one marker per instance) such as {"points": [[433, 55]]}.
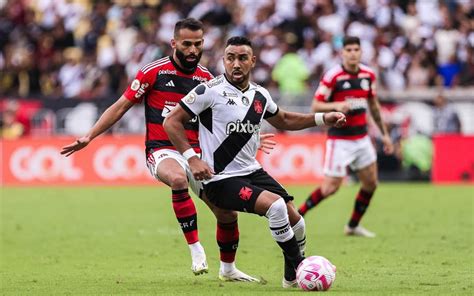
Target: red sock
{"points": [[313, 200], [227, 236], [185, 212], [361, 203]]}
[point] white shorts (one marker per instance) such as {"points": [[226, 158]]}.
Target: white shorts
{"points": [[158, 156], [341, 153]]}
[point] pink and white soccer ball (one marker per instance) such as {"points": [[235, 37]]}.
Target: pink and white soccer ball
{"points": [[315, 273]]}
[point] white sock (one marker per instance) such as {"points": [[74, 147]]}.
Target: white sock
{"points": [[300, 234], [277, 216], [227, 267], [196, 248]]}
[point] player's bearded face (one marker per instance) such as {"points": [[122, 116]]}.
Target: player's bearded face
{"points": [[351, 54], [238, 62], [188, 47], [190, 60]]}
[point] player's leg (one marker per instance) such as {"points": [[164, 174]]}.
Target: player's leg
{"points": [[336, 159], [170, 171], [240, 194], [298, 225], [368, 180], [365, 164], [329, 186], [263, 179], [275, 209], [227, 236]]}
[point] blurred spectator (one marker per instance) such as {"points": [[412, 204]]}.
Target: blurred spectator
{"points": [[11, 127], [291, 73], [71, 74], [417, 154], [409, 43], [446, 120]]}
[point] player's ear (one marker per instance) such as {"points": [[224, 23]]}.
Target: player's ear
{"points": [[173, 43], [254, 61]]}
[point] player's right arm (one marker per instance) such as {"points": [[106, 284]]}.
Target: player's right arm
{"points": [[189, 106], [106, 120], [321, 102], [132, 95]]}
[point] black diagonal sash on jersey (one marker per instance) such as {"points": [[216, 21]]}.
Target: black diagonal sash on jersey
{"points": [[232, 145]]}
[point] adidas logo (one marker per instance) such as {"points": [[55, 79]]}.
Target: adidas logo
{"points": [[346, 85], [170, 83]]}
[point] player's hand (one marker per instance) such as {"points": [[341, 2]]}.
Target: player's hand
{"points": [[336, 119], [266, 145], [343, 107], [76, 146], [387, 145], [200, 169]]}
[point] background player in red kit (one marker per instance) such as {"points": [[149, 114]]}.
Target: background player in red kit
{"points": [[160, 85], [349, 88]]}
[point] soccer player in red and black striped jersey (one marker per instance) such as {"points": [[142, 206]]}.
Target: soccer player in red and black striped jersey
{"points": [[349, 88], [160, 85]]}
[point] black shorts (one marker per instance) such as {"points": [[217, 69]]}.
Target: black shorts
{"points": [[240, 193]]}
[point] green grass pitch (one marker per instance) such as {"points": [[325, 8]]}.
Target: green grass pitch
{"points": [[68, 241]]}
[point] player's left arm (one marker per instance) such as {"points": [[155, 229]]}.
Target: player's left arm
{"points": [[374, 107], [285, 120]]}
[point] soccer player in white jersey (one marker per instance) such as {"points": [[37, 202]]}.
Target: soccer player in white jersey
{"points": [[230, 110]]}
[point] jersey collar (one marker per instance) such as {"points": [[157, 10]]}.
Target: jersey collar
{"points": [[242, 90], [351, 72]]}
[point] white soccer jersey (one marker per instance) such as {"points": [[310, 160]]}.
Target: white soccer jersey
{"points": [[229, 124]]}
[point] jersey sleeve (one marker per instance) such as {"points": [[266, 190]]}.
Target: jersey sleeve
{"points": [[272, 107], [139, 87], [325, 88], [197, 100]]}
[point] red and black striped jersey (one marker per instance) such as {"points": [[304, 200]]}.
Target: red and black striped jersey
{"points": [[339, 85], [161, 85]]}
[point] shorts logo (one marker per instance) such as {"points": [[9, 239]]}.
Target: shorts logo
{"points": [[257, 106], [135, 85], [245, 193], [162, 155]]}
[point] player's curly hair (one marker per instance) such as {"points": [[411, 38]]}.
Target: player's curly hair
{"points": [[238, 40]]}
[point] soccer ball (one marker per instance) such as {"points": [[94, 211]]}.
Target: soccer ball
{"points": [[315, 273]]}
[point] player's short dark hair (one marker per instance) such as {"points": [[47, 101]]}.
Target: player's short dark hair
{"points": [[238, 40], [188, 23], [348, 40]]}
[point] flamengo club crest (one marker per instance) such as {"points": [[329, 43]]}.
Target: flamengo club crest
{"points": [[257, 106]]}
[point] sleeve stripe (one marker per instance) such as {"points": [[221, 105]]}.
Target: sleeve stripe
{"points": [[186, 108], [269, 114]]}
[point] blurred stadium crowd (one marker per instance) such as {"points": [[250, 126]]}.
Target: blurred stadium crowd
{"points": [[64, 61], [89, 49]]}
